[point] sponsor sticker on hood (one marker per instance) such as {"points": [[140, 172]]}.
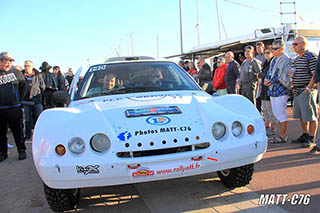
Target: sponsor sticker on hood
{"points": [[158, 120], [157, 110]]}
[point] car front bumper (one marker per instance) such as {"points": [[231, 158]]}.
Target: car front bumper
{"points": [[84, 171]]}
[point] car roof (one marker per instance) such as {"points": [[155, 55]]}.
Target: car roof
{"points": [[132, 59], [129, 58]]}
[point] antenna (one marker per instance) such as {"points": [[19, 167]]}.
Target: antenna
{"points": [[157, 46], [132, 44]]}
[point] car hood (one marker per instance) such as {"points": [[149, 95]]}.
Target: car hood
{"points": [[183, 112]]}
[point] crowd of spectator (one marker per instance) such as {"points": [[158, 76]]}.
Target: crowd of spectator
{"points": [[266, 76], [24, 94]]}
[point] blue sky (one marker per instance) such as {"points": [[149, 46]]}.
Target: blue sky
{"points": [[68, 32]]}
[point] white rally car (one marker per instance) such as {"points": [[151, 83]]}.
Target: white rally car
{"points": [[132, 121]]}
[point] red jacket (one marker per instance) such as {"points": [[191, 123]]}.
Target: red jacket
{"points": [[218, 79], [192, 72]]}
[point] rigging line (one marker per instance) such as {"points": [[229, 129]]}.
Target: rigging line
{"points": [[244, 5], [265, 10]]}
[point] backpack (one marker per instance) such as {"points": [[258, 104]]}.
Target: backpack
{"points": [[308, 59]]}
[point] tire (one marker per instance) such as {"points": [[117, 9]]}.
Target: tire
{"points": [[60, 200], [236, 177]]}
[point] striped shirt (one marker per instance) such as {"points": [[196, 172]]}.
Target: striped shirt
{"points": [[304, 66]]}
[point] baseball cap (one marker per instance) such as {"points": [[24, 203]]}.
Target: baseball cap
{"points": [[5, 56], [249, 47]]}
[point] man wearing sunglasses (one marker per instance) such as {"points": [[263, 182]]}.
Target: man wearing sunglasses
{"points": [[278, 81], [304, 102]]}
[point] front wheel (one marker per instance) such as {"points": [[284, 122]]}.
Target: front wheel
{"points": [[236, 177], [61, 200]]}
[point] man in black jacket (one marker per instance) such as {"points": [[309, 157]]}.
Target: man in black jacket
{"points": [[232, 73], [32, 103], [51, 85], [204, 76], [69, 76], [12, 91]]}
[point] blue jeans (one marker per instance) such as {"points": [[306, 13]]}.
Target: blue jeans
{"points": [[31, 115]]}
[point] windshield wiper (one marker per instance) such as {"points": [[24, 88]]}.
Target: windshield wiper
{"points": [[136, 89], [124, 90], [97, 94]]}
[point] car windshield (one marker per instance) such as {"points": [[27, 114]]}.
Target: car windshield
{"points": [[121, 78]]}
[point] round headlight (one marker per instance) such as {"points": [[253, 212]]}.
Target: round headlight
{"points": [[218, 130], [76, 145], [100, 142], [236, 128]]}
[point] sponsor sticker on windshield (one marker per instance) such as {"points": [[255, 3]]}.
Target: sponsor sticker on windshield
{"points": [[158, 110], [97, 68]]}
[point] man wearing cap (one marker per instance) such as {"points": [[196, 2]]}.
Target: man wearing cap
{"points": [[51, 85], [12, 91], [250, 68], [181, 64]]}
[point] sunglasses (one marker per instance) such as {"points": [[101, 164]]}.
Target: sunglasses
{"points": [[275, 48], [267, 52], [294, 44], [3, 60]]}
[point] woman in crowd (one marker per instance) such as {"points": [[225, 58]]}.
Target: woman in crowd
{"points": [[219, 84]]}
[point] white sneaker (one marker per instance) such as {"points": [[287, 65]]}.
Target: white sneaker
{"points": [[10, 146]]}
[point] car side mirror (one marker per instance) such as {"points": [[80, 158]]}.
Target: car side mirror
{"points": [[61, 98]]}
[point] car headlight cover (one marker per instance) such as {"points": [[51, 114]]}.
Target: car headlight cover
{"points": [[100, 142], [77, 145], [236, 128], [218, 130]]}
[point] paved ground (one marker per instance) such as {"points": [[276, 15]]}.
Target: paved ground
{"points": [[287, 168], [21, 191]]}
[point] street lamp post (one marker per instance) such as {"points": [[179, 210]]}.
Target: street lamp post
{"points": [[181, 33], [198, 22], [218, 17]]}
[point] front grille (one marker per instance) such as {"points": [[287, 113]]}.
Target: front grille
{"points": [[172, 150]]}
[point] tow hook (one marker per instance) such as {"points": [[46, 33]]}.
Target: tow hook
{"points": [[133, 166], [199, 158]]}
